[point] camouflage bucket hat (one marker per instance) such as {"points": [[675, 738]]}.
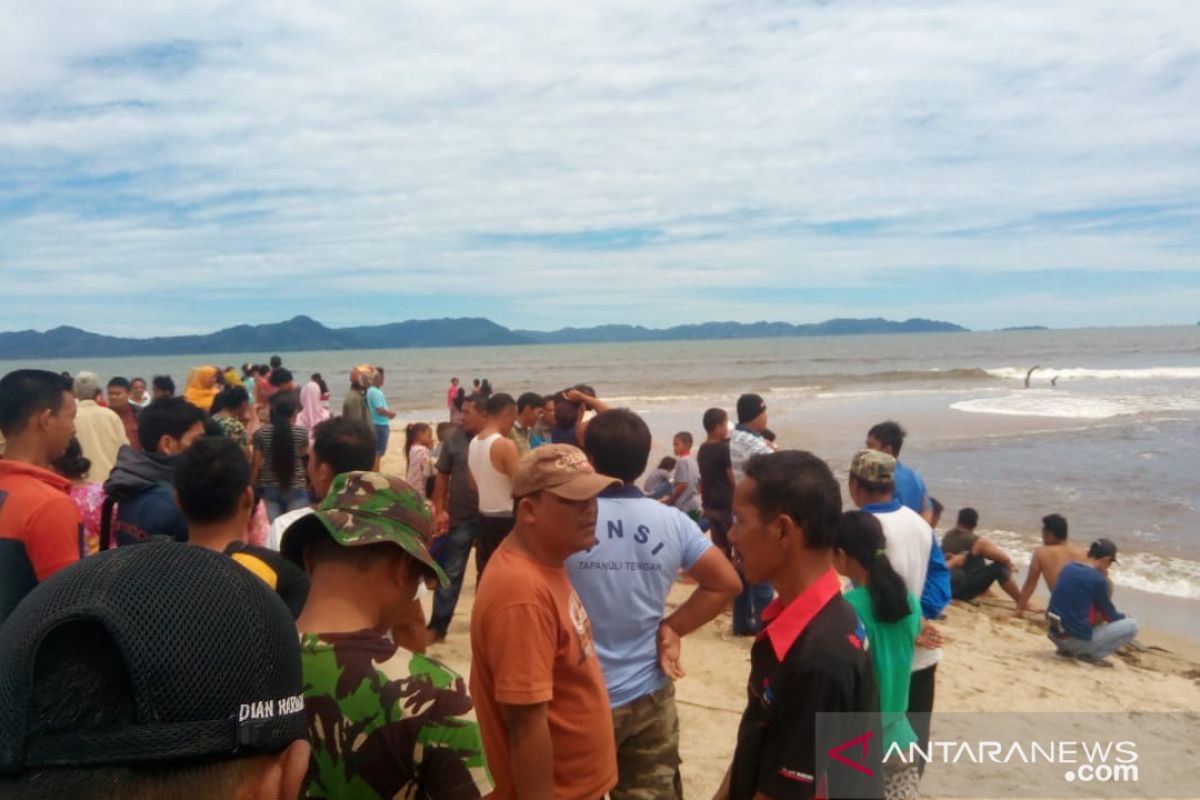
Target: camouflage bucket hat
{"points": [[873, 466], [365, 508]]}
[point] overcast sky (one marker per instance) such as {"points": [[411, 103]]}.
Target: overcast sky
{"points": [[175, 167]]}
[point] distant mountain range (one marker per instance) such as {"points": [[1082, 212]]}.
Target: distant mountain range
{"points": [[305, 333]]}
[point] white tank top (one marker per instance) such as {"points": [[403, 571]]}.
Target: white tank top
{"points": [[495, 488]]}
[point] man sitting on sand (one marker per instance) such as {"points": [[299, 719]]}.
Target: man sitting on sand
{"points": [[1049, 559], [1082, 589], [975, 563]]}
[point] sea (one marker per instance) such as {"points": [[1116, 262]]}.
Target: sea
{"points": [[1098, 425]]}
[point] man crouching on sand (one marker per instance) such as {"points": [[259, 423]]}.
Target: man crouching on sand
{"points": [[811, 656]]}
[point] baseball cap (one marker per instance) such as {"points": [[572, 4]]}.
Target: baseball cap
{"points": [[873, 466], [210, 653], [86, 385], [1103, 548], [750, 406], [560, 469], [364, 508]]}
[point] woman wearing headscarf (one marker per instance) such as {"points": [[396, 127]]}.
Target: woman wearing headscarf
{"points": [[202, 387], [355, 405], [311, 410]]}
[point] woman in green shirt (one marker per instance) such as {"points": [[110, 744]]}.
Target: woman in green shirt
{"points": [[892, 617]]}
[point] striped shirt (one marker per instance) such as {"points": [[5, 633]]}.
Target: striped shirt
{"points": [[263, 441]]}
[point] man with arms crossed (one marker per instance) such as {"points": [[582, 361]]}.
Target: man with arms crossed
{"points": [[639, 649]]}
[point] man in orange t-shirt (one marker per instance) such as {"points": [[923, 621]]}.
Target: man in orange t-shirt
{"points": [[37, 418], [539, 693]]}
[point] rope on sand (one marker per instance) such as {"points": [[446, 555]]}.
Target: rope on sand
{"points": [[707, 707]]}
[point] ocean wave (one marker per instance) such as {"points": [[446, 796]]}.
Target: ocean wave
{"points": [[1047, 374], [1146, 572], [1046, 403]]}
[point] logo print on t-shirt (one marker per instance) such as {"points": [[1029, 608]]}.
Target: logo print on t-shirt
{"points": [[583, 627]]}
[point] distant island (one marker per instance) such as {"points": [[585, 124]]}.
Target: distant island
{"points": [[304, 333], [1025, 328]]}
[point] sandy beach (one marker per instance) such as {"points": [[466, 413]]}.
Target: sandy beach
{"points": [[992, 662]]}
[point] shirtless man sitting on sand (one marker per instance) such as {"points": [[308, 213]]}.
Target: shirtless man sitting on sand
{"points": [[1048, 560]]}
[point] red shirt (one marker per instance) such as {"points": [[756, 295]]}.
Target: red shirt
{"points": [[36, 507], [129, 420]]}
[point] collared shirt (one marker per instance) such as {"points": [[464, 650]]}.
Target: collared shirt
{"points": [[641, 544], [101, 435], [1081, 587], [811, 658]]}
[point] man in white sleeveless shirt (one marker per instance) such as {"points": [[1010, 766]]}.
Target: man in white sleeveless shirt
{"points": [[492, 459]]}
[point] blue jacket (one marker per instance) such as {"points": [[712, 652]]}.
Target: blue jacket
{"points": [[143, 487]]}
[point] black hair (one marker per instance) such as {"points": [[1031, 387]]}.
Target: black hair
{"points": [[411, 432], [797, 483], [166, 416], [890, 435], [346, 445], [132, 381], [498, 403], [618, 443], [529, 399], [284, 406], [1056, 524], [211, 477], [460, 397], [25, 393], [229, 398], [81, 684], [668, 463], [263, 370], [280, 377], [684, 437], [316, 377], [475, 399], [714, 417], [120, 383], [163, 383], [72, 464], [936, 505], [276, 362], [860, 536], [968, 518]]}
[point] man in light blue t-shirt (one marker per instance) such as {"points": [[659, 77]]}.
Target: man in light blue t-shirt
{"points": [[623, 581], [381, 415]]}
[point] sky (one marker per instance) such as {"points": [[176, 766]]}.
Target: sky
{"points": [[179, 167]]}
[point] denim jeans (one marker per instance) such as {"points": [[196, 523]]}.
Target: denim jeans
{"points": [[278, 500], [382, 434], [1106, 639], [748, 606], [452, 555]]}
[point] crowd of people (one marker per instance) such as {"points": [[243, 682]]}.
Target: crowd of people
{"points": [[219, 595]]}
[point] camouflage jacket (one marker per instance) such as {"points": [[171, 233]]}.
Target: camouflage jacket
{"points": [[387, 723]]}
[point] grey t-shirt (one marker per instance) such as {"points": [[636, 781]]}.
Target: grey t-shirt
{"points": [[464, 501], [687, 471]]}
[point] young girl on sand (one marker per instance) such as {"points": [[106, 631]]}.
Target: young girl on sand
{"points": [[418, 438], [892, 617]]}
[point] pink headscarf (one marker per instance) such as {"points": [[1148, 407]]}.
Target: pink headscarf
{"points": [[311, 410]]}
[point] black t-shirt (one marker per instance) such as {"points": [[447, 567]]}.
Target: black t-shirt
{"points": [[716, 490], [289, 581], [825, 668]]}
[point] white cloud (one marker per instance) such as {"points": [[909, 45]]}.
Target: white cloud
{"points": [[308, 141]]}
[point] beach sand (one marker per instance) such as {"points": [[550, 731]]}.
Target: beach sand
{"points": [[991, 662]]}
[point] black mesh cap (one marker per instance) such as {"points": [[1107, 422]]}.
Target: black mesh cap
{"points": [[212, 656]]}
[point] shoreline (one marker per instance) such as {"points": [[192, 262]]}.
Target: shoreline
{"points": [[992, 662]]}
